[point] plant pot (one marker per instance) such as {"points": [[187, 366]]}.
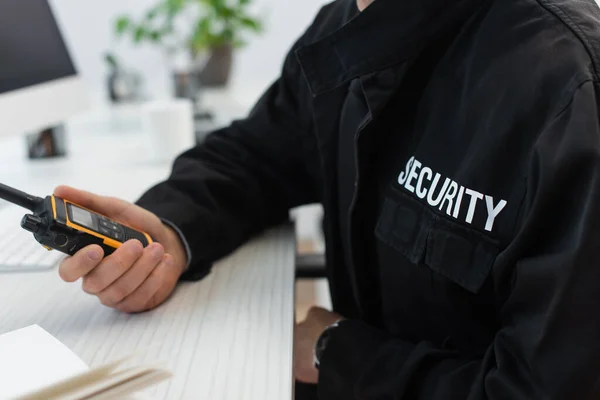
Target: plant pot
{"points": [[217, 69]]}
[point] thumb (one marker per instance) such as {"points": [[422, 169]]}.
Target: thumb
{"points": [[109, 206]]}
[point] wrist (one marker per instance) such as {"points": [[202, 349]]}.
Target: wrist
{"points": [[323, 341], [175, 247]]}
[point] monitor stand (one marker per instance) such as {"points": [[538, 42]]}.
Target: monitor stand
{"points": [[48, 143]]}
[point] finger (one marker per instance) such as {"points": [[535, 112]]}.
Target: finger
{"points": [[170, 278], [134, 277], [104, 205], [112, 267], [155, 289], [80, 264]]}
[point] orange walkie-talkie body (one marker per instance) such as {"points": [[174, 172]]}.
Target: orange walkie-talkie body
{"points": [[59, 224]]}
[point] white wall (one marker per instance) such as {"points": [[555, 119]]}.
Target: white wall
{"points": [[87, 26]]}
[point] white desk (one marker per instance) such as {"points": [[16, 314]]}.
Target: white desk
{"points": [[226, 337], [229, 336]]}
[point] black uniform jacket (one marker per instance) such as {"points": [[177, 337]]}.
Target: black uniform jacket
{"points": [[455, 147]]}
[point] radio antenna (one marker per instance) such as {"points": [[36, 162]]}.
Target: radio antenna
{"points": [[19, 198]]}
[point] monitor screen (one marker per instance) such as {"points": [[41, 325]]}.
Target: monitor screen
{"points": [[32, 50]]}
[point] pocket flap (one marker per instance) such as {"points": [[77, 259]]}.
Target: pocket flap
{"points": [[405, 227], [461, 255]]}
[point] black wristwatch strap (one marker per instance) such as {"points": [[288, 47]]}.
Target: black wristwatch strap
{"points": [[321, 344]]}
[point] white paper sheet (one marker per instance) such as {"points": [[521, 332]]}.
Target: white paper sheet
{"points": [[31, 358]]}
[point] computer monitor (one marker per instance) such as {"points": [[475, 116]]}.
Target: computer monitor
{"points": [[39, 87]]}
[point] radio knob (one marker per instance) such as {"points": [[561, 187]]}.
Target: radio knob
{"points": [[32, 223]]}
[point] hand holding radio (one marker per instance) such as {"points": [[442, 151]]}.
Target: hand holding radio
{"points": [[132, 278]]}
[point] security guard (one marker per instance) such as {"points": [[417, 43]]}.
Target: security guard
{"points": [[455, 146]]}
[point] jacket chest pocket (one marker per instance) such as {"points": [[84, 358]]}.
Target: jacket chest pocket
{"points": [[457, 253]]}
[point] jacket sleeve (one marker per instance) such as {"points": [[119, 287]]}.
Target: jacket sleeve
{"points": [[243, 178], [548, 342]]}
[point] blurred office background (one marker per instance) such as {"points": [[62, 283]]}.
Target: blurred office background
{"points": [[89, 30]]}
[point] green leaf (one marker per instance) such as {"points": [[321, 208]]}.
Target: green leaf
{"points": [[111, 60], [152, 13], [174, 6], [140, 34], [205, 25], [122, 24], [228, 12], [251, 23], [217, 22], [227, 36], [239, 43], [219, 8], [156, 36], [202, 36]]}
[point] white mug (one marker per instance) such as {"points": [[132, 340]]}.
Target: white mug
{"points": [[169, 127]]}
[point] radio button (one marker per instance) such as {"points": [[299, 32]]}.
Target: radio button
{"points": [[110, 225], [104, 223]]}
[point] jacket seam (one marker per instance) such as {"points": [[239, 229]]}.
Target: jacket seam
{"points": [[574, 27], [520, 208], [571, 98], [558, 115]]}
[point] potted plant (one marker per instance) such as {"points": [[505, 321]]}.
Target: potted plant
{"points": [[207, 31]]}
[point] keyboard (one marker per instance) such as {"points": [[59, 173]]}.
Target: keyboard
{"points": [[19, 251]]}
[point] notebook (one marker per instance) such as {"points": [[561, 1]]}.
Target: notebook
{"points": [[36, 366]]}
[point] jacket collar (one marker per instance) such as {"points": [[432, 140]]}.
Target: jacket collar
{"points": [[387, 33]]}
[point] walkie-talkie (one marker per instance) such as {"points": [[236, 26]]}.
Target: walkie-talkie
{"points": [[59, 224]]}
